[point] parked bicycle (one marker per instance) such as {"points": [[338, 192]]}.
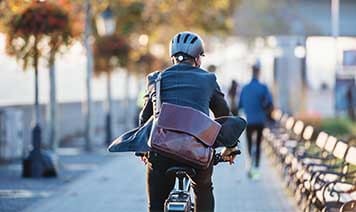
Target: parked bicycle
{"points": [[180, 199]]}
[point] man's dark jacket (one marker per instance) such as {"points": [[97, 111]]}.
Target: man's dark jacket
{"points": [[184, 85], [189, 86]]}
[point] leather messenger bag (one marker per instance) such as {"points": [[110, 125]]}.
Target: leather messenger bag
{"points": [[182, 133]]}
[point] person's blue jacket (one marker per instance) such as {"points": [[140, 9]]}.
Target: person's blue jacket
{"points": [[255, 99]]}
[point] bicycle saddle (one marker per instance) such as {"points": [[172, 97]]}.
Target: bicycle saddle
{"points": [[181, 171]]}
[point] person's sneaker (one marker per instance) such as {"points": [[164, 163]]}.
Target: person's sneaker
{"points": [[255, 174]]}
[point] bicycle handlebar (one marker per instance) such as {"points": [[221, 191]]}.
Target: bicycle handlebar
{"points": [[218, 158]]}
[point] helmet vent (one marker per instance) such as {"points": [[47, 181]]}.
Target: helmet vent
{"points": [[178, 38], [188, 43], [193, 40], [186, 38]]}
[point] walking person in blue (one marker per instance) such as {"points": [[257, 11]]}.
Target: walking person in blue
{"points": [[256, 101]]}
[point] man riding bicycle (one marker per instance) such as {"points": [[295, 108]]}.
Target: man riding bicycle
{"points": [[185, 84]]}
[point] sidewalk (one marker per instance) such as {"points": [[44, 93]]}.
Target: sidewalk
{"points": [[17, 193], [119, 185], [234, 191]]}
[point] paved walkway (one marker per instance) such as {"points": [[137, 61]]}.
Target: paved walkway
{"points": [[119, 185]]}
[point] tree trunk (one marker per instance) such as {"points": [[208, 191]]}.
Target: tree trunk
{"points": [[89, 53], [36, 133], [127, 101], [52, 118], [37, 104]]}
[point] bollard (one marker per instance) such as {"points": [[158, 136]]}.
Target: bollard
{"points": [[39, 163]]}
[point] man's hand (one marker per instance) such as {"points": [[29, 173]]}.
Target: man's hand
{"points": [[226, 154], [143, 157]]}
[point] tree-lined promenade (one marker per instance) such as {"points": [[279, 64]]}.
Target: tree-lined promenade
{"points": [[128, 34]]}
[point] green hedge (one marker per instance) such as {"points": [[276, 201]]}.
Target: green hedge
{"points": [[338, 126]]}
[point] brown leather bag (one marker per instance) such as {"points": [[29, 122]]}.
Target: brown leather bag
{"points": [[182, 133]]}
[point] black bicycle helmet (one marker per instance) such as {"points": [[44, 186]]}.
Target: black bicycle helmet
{"points": [[187, 43]]}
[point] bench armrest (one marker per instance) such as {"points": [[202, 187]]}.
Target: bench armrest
{"points": [[332, 189]]}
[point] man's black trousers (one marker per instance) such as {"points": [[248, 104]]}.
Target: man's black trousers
{"points": [[159, 184]]}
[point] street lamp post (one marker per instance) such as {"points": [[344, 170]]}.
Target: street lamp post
{"points": [[335, 30], [89, 54], [335, 19], [300, 54], [106, 26]]}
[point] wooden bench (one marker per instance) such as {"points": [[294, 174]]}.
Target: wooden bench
{"points": [[339, 186], [316, 175], [315, 165], [274, 133], [300, 161], [276, 138], [295, 153]]}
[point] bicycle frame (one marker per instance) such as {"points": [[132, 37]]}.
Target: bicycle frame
{"points": [[179, 200]]}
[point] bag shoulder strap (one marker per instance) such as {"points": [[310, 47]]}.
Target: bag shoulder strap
{"points": [[158, 94]]}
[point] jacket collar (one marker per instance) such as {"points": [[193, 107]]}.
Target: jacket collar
{"points": [[183, 67]]}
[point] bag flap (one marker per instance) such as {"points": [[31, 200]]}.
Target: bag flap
{"points": [[190, 121]]}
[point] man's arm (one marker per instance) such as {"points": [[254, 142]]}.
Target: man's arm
{"points": [[145, 114], [147, 110], [218, 104], [220, 108]]}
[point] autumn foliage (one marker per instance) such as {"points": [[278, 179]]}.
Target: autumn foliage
{"points": [[62, 20], [41, 19], [110, 51], [40, 29]]}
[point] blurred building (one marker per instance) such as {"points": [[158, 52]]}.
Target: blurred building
{"points": [[295, 42]]}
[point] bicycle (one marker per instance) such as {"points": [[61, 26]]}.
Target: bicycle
{"points": [[179, 199]]}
